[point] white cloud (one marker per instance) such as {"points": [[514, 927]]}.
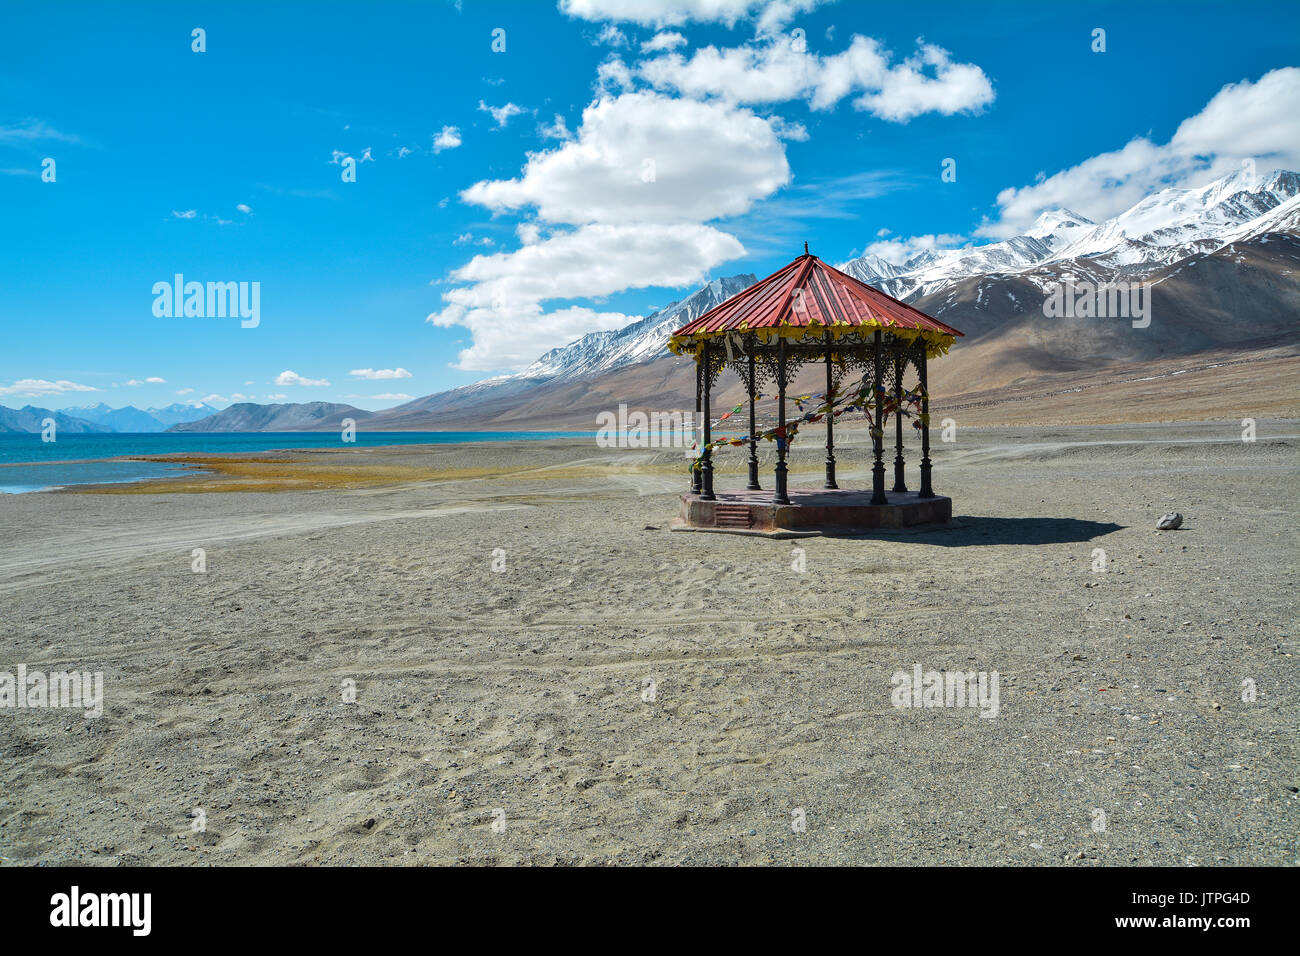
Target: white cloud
{"points": [[463, 239], [40, 386], [516, 340], [795, 132], [243, 207], [501, 114], [640, 179], [34, 130], [646, 157], [155, 380], [778, 14], [780, 70], [449, 138], [338, 157], [501, 304], [379, 373], [669, 40], [293, 378], [277, 397], [184, 391], [612, 36], [771, 14], [557, 130], [392, 397], [613, 75], [899, 251], [186, 214], [1243, 121], [214, 399], [595, 260]]}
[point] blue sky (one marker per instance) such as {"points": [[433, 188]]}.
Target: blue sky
{"points": [[669, 142]]}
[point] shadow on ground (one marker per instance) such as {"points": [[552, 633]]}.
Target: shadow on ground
{"points": [[969, 530]]}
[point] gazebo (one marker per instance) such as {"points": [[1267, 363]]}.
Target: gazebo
{"points": [[810, 312]]}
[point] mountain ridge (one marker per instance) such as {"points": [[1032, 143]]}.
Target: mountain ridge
{"points": [[290, 416], [1218, 280]]}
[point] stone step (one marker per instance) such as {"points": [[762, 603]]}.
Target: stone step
{"points": [[733, 516]]}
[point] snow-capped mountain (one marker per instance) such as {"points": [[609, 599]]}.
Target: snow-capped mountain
{"points": [[592, 356], [31, 419], [639, 342], [1161, 229], [178, 412], [934, 269], [1175, 223], [871, 269], [1221, 260]]}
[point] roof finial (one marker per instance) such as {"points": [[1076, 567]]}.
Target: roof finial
{"points": [[805, 247]]}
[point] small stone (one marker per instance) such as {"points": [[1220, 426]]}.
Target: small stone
{"points": [[1170, 522]]}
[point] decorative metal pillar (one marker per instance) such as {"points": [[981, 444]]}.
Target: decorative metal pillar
{"points": [[926, 490], [696, 465], [706, 465], [877, 430], [781, 497], [753, 434], [900, 363], [830, 420]]}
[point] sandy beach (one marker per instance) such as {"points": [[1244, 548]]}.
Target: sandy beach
{"points": [[617, 693]]}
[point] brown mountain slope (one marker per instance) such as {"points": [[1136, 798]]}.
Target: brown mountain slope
{"points": [[1238, 305], [1243, 297]]}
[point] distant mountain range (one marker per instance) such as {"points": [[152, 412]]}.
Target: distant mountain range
{"points": [[564, 378], [558, 378], [100, 418], [1222, 262]]}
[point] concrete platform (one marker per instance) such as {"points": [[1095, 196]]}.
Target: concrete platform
{"points": [[812, 511]]}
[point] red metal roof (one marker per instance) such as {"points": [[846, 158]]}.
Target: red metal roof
{"points": [[808, 293]]}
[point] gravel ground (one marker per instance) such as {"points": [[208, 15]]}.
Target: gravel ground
{"points": [[618, 693]]}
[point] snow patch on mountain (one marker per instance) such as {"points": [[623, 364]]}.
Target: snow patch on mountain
{"points": [[642, 341], [1162, 229]]}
